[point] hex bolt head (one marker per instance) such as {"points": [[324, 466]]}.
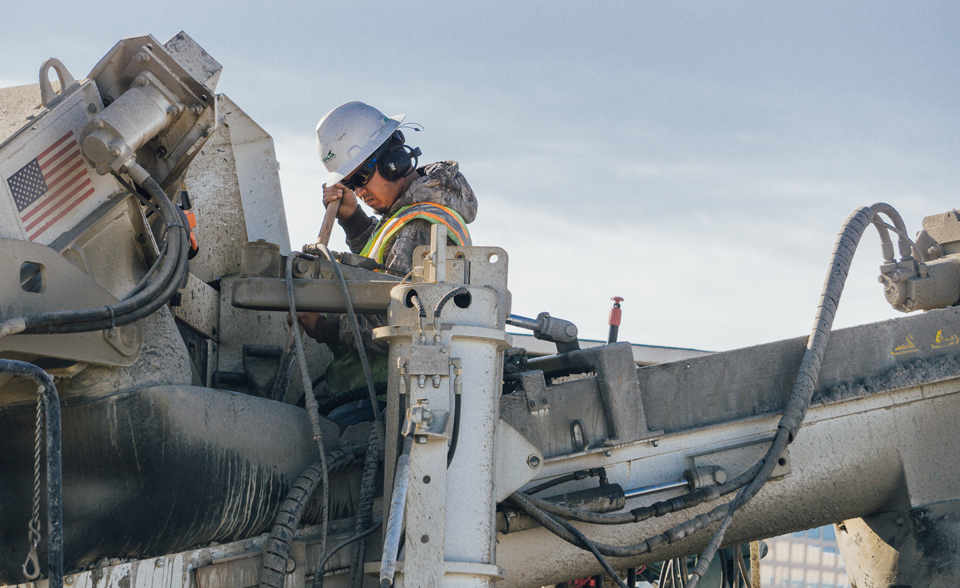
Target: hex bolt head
{"points": [[140, 81], [92, 108], [68, 580], [115, 151], [196, 109], [141, 57], [173, 110], [98, 123], [608, 453], [103, 169], [159, 562], [533, 461]]}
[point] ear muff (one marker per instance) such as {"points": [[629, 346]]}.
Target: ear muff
{"points": [[397, 160]]}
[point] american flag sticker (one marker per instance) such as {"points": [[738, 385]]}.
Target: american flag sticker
{"points": [[50, 186]]}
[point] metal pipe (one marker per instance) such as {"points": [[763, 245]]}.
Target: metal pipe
{"points": [[628, 494], [523, 322]]}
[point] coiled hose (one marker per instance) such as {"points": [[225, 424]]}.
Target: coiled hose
{"points": [[276, 548], [51, 407]]}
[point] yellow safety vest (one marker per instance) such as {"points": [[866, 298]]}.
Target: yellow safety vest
{"points": [[433, 213]]}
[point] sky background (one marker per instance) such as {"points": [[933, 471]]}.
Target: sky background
{"points": [[697, 159]]}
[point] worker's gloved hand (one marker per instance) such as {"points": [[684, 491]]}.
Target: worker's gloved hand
{"points": [[316, 326], [348, 200]]}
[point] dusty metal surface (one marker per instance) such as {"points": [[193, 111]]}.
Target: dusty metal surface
{"points": [[18, 106], [199, 307]]}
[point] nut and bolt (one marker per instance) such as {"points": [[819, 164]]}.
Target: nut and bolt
{"points": [[115, 151], [173, 110], [68, 580], [91, 108], [140, 81], [608, 453], [159, 562], [141, 57], [656, 442], [533, 461], [98, 123], [421, 439], [196, 109], [436, 381]]}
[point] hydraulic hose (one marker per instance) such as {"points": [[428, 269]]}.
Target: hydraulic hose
{"points": [[310, 401], [321, 567], [805, 383], [51, 408], [276, 548], [146, 301], [750, 482], [368, 490]]}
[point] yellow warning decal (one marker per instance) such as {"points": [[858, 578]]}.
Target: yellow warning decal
{"points": [[907, 347], [942, 341]]}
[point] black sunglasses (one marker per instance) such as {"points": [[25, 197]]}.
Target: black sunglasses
{"points": [[363, 175]]}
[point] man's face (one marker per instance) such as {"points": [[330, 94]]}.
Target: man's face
{"points": [[379, 194]]}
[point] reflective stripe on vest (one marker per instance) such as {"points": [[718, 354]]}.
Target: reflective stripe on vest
{"points": [[432, 213]]}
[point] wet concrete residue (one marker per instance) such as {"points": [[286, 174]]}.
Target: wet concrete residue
{"points": [[915, 373]]}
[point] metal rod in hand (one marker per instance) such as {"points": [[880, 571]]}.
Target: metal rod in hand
{"points": [[326, 228]]}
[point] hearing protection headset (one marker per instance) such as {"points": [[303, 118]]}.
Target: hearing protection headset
{"points": [[396, 160]]}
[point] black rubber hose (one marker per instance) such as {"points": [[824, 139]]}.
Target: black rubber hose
{"points": [[672, 535], [151, 297], [321, 567], [354, 395], [51, 408], [368, 491], [446, 298], [455, 435], [276, 548], [805, 383]]}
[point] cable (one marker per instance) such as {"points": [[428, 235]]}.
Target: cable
{"points": [[318, 576], [391, 541], [51, 407], [309, 400]]}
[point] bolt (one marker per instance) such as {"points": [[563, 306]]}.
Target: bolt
{"points": [[444, 349], [159, 562], [335, 527], [608, 453], [571, 330], [115, 151], [140, 81], [302, 266], [656, 443], [425, 539], [103, 169], [544, 400], [421, 380], [98, 123], [112, 333], [196, 109], [909, 304], [900, 520], [533, 461], [531, 403], [248, 544], [91, 108], [141, 57], [68, 580], [421, 439], [173, 110], [436, 381]]}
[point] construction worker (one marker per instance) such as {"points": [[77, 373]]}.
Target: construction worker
{"points": [[367, 159]]}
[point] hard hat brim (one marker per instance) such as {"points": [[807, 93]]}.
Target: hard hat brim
{"points": [[345, 169]]}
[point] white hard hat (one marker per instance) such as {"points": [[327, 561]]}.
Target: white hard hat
{"points": [[349, 134]]}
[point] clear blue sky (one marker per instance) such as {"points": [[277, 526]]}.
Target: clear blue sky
{"points": [[695, 158]]}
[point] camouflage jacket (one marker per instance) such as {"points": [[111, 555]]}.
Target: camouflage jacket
{"points": [[439, 183]]}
